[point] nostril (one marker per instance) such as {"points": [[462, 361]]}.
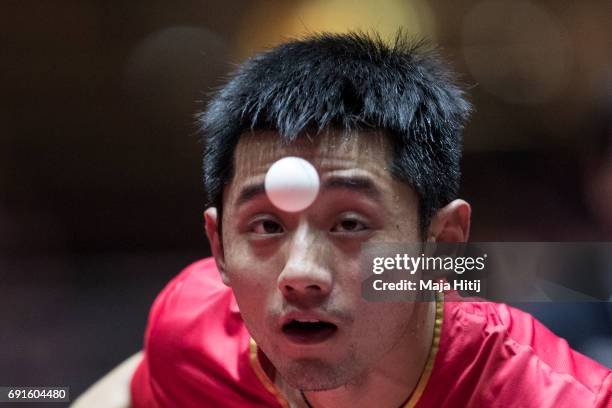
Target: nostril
{"points": [[301, 281], [306, 289]]}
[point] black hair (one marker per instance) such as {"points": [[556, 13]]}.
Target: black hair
{"points": [[348, 81]]}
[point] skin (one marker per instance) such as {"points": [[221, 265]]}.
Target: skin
{"points": [[113, 390], [278, 262], [322, 276]]}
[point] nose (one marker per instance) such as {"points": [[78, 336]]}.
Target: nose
{"points": [[306, 280]]}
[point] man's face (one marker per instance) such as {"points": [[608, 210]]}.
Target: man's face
{"points": [[296, 276]]}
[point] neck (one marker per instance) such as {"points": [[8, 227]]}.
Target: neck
{"points": [[388, 384]]}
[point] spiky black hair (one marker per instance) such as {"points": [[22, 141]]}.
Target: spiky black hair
{"points": [[348, 81]]}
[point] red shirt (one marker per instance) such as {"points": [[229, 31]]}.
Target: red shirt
{"points": [[198, 353]]}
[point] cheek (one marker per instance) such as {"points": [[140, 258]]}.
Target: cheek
{"points": [[252, 280], [383, 325], [247, 267], [252, 293], [250, 262]]}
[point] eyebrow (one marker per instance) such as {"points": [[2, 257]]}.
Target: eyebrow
{"points": [[359, 184], [249, 192]]}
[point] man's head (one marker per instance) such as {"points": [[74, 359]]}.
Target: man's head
{"points": [[381, 125], [349, 82]]}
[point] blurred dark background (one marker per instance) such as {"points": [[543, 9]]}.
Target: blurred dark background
{"points": [[100, 185]]}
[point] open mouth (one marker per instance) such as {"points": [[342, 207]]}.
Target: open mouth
{"points": [[309, 331]]}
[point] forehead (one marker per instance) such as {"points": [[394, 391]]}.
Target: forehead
{"points": [[330, 149], [358, 158], [358, 161]]}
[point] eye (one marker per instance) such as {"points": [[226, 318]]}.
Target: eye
{"points": [[349, 225], [266, 226]]}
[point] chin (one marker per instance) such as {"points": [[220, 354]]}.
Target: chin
{"points": [[311, 374]]}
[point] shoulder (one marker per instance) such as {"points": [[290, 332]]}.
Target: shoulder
{"points": [[196, 349], [492, 352], [198, 288]]}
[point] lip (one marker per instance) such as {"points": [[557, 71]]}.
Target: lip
{"points": [[318, 327]]}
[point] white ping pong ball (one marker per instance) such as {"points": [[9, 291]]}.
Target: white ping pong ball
{"points": [[292, 184]]}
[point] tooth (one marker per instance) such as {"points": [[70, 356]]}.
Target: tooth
{"points": [[307, 320]]}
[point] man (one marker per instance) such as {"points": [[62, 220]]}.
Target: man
{"points": [[277, 318]]}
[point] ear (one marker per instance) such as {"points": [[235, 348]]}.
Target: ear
{"points": [[211, 225], [451, 223]]}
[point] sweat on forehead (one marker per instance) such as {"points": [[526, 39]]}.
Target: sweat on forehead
{"points": [[256, 151]]}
